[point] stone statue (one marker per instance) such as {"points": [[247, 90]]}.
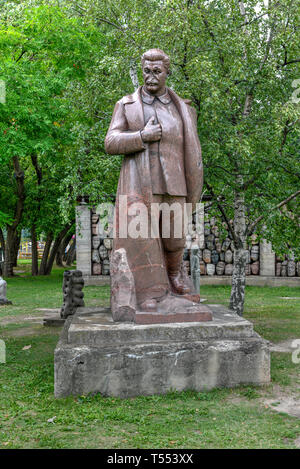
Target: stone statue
{"points": [[156, 132], [3, 288], [73, 284]]}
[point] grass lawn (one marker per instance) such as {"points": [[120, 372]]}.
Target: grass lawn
{"points": [[222, 418]]}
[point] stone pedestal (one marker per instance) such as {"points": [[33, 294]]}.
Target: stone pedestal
{"points": [[94, 354], [83, 239], [267, 259]]}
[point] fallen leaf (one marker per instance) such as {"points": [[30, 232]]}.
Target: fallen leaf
{"points": [[27, 347], [5, 443]]}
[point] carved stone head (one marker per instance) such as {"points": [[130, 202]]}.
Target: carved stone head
{"points": [[156, 67]]}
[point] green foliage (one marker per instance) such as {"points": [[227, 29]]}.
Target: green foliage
{"points": [[43, 52], [221, 57], [66, 63]]}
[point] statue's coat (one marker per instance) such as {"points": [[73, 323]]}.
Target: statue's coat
{"points": [[145, 256]]}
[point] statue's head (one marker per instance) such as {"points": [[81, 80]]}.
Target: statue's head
{"points": [[156, 67]]}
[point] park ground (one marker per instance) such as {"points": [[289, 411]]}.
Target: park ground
{"points": [[244, 417]]}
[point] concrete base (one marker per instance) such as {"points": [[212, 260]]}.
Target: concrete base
{"points": [[94, 354]]}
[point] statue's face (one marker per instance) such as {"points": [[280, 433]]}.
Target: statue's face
{"points": [[155, 76]]}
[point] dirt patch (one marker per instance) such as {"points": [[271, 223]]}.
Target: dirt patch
{"points": [[235, 399], [29, 331], [288, 405], [6, 320], [297, 442], [23, 332]]}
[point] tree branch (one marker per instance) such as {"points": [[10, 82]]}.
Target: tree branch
{"points": [[261, 217], [230, 228]]}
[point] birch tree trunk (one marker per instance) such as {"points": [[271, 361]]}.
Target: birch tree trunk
{"points": [[237, 296], [71, 254], [60, 256], [133, 75]]}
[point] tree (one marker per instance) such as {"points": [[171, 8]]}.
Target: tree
{"points": [[42, 51], [238, 63]]}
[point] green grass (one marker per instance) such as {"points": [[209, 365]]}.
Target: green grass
{"points": [[31, 293], [222, 418]]}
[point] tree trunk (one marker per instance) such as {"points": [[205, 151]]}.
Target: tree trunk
{"points": [[35, 256], [71, 254], [55, 247], [2, 240], [17, 240], [8, 266], [237, 296], [13, 240], [133, 75], [60, 256], [67, 241], [43, 265], [34, 252]]}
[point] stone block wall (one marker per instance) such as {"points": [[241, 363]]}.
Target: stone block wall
{"points": [[94, 245], [101, 245], [216, 255], [287, 267]]}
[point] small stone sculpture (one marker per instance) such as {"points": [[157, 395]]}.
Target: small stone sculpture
{"points": [[73, 284], [3, 288], [195, 268]]}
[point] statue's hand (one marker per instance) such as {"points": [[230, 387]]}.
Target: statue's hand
{"points": [[151, 132]]}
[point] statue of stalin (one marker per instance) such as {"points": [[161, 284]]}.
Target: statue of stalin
{"points": [[156, 132]]}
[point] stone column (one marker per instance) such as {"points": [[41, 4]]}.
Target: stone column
{"points": [[83, 239], [266, 259]]}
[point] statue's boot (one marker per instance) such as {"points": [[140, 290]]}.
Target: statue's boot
{"points": [[173, 263], [149, 305]]}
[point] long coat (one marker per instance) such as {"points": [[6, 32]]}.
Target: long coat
{"points": [[145, 256]]}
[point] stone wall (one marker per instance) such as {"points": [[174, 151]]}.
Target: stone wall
{"points": [[216, 255], [287, 267], [101, 246], [94, 245]]}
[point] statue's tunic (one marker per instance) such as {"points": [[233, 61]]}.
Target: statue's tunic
{"points": [[167, 155]]}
